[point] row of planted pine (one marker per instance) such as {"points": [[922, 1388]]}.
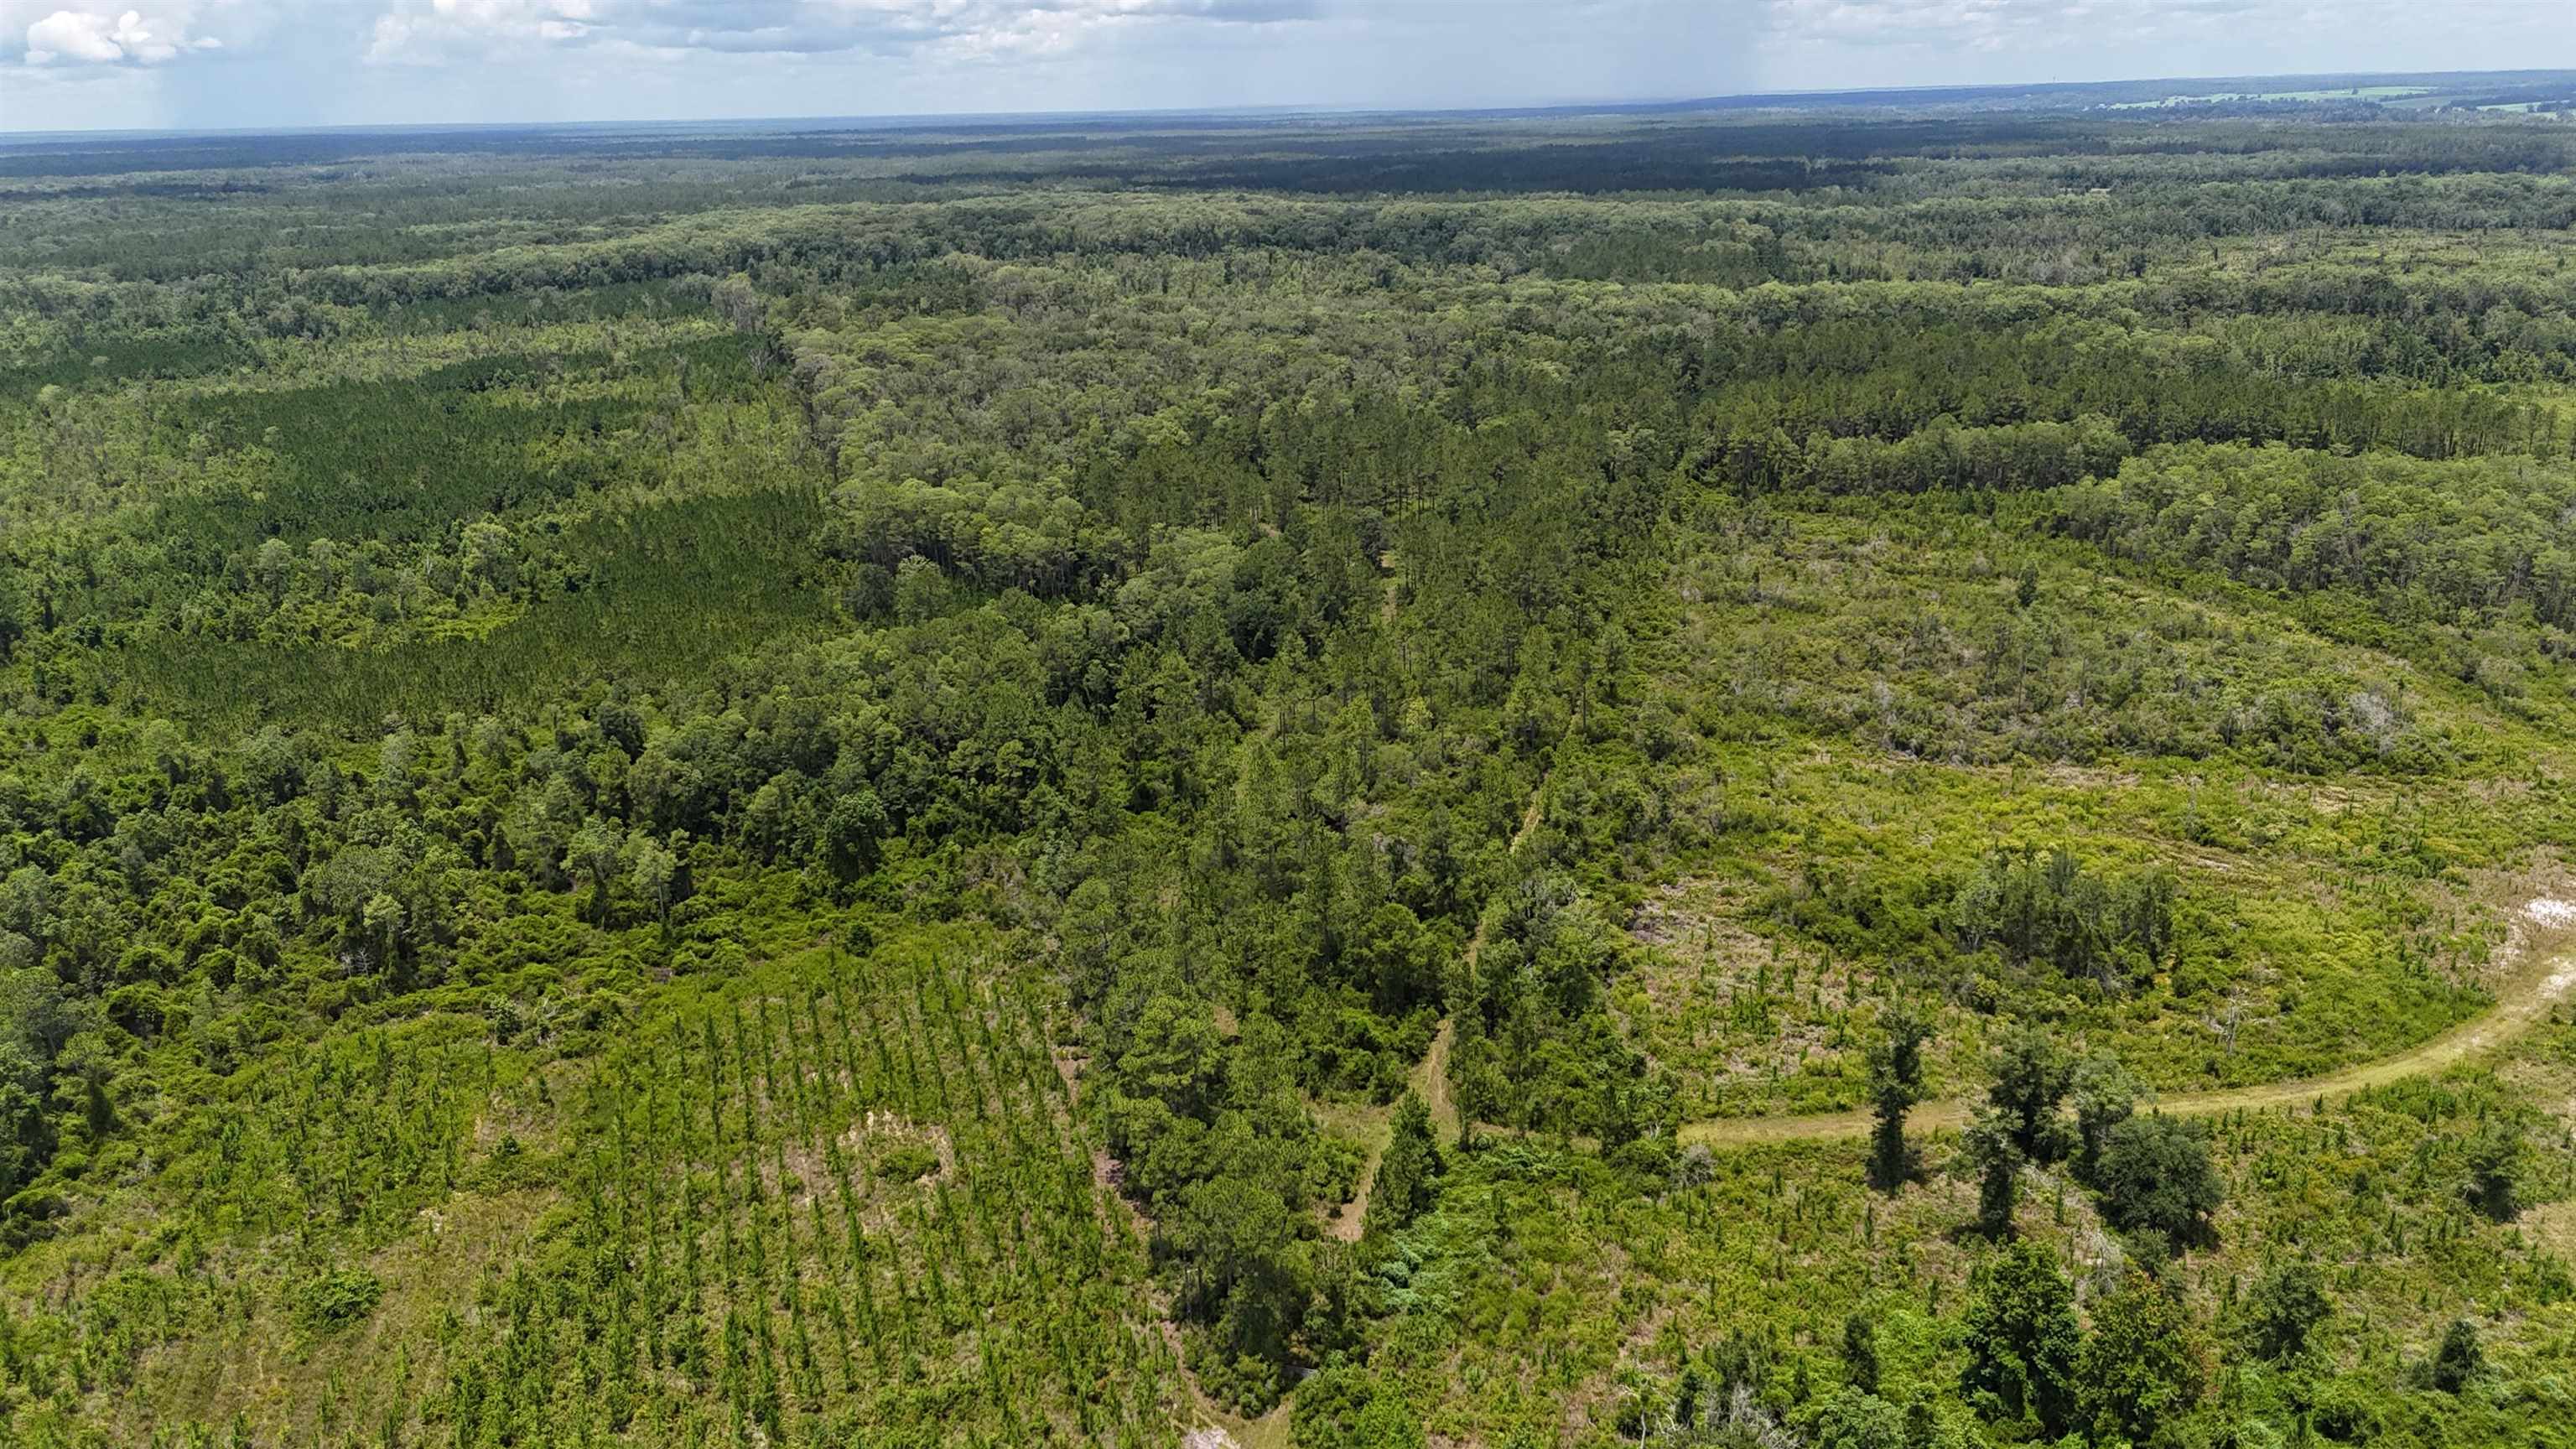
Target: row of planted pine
{"points": [[841, 1202]]}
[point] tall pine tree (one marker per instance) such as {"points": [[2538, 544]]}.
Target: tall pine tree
{"points": [[1408, 1175]]}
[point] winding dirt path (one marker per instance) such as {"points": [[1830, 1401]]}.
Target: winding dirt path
{"points": [[2524, 1000], [1430, 1076], [2522, 1003]]}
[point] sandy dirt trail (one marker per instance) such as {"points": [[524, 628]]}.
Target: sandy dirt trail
{"points": [[1430, 1076], [2524, 1000], [2526, 997]]}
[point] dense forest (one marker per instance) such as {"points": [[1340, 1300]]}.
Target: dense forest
{"points": [[1874, 773]]}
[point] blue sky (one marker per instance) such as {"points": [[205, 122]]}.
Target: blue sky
{"points": [[207, 63]]}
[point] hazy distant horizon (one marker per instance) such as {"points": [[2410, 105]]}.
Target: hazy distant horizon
{"points": [[195, 65], [928, 120]]}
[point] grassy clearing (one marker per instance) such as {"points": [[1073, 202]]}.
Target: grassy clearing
{"points": [[1849, 678]]}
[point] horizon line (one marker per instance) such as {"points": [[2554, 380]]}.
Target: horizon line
{"points": [[923, 119]]}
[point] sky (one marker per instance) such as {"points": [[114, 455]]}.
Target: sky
{"points": [[150, 64]]}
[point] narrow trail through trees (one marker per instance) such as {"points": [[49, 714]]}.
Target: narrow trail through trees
{"points": [[1430, 1076]]}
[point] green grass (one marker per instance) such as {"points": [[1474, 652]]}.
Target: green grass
{"points": [[1874, 712]]}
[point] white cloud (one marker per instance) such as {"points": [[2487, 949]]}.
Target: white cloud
{"points": [[435, 31], [232, 62], [72, 35], [43, 34], [1986, 24], [2152, 37]]}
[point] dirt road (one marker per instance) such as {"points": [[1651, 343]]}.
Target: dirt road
{"points": [[2524, 1001]]}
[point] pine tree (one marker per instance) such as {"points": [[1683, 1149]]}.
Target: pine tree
{"points": [[1408, 1175], [2459, 1359], [2023, 1339], [1994, 1157], [1860, 1353], [1895, 1085], [2032, 1077]]}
